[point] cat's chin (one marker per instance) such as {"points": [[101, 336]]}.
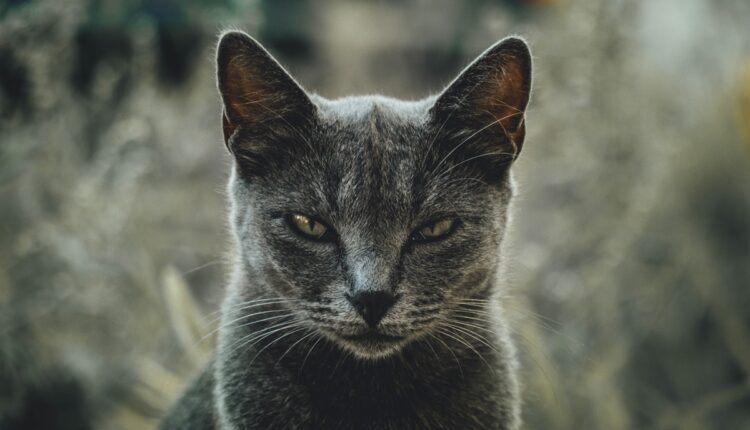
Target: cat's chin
{"points": [[371, 345]]}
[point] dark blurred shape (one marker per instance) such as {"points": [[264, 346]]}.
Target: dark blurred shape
{"points": [[96, 46], [101, 49], [178, 40], [523, 8], [287, 28], [34, 396], [726, 221], [7, 5], [15, 88], [177, 52], [107, 38]]}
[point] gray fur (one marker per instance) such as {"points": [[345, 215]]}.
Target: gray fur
{"points": [[374, 169]]}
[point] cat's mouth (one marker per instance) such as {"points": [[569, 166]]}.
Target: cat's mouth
{"points": [[372, 344], [372, 337]]}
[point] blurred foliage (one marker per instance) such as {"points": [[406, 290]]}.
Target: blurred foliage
{"points": [[629, 267]]}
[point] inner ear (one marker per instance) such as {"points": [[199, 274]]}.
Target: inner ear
{"points": [[485, 105], [257, 93]]}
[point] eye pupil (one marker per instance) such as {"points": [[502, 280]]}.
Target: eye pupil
{"points": [[435, 230], [308, 226]]}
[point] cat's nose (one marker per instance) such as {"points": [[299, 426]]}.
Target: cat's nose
{"points": [[372, 305]]}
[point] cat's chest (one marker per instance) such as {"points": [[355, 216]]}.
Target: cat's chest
{"points": [[378, 412], [414, 391], [381, 400], [364, 398]]}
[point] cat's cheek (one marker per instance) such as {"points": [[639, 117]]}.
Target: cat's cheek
{"points": [[431, 267], [306, 268], [443, 263], [278, 281]]}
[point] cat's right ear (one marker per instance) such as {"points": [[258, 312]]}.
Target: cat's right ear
{"points": [[258, 95]]}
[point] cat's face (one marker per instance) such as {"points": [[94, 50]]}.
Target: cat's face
{"points": [[372, 218]]}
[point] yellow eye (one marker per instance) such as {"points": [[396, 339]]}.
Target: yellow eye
{"points": [[435, 230], [308, 226]]}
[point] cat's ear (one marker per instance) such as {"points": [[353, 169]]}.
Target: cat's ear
{"points": [[259, 96], [484, 107]]}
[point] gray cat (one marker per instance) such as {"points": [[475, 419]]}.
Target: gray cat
{"points": [[365, 293]]}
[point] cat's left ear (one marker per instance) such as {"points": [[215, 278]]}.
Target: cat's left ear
{"points": [[484, 108]]}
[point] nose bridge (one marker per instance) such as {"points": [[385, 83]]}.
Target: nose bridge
{"points": [[372, 269], [371, 290]]}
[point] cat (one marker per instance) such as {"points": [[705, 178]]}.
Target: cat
{"points": [[365, 292]]}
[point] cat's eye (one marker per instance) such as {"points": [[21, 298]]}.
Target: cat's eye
{"points": [[434, 231], [309, 227]]}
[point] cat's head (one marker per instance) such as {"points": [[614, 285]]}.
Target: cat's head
{"points": [[371, 218]]}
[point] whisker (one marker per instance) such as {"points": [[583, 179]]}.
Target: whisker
{"points": [[254, 334], [476, 326], [344, 353], [203, 266], [248, 324], [274, 341], [320, 337], [467, 329], [458, 363], [467, 300], [474, 314], [246, 305], [429, 345], [528, 312], [257, 339], [274, 328], [458, 338], [230, 323], [311, 332]]}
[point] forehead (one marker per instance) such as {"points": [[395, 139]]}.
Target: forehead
{"points": [[374, 151]]}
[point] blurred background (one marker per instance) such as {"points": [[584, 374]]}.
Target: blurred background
{"points": [[629, 263]]}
